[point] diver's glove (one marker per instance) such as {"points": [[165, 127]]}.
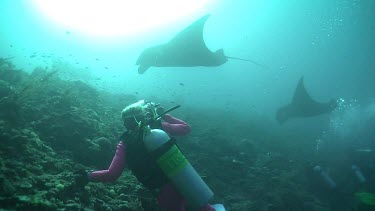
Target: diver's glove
{"points": [[81, 178]]}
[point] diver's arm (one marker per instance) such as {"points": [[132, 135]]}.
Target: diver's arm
{"points": [[174, 126], [115, 169]]}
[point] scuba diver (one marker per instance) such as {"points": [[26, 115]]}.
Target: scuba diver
{"points": [[155, 159]]}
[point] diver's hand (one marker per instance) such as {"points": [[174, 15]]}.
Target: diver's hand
{"points": [[81, 178], [172, 120], [159, 110]]}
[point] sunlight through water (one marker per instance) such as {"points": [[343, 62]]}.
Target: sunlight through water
{"points": [[116, 18]]}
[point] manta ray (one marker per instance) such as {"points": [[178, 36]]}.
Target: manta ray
{"points": [[303, 106], [186, 49]]}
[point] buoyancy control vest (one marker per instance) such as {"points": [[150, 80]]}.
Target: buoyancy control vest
{"points": [[142, 163]]}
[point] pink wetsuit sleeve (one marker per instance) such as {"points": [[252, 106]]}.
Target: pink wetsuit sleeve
{"points": [[115, 169], [174, 126]]}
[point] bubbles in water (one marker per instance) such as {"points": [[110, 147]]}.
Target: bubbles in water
{"points": [[318, 144], [282, 67], [345, 118], [338, 14], [352, 121]]}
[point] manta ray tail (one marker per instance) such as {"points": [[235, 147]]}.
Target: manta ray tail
{"points": [[248, 60]]}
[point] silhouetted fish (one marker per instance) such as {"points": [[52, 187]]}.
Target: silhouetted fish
{"points": [[303, 105], [186, 49]]}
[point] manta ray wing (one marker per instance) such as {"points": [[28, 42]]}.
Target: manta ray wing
{"points": [[301, 98], [190, 42]]}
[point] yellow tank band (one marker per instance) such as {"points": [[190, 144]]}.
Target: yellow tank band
{"points": [[172, 162]]}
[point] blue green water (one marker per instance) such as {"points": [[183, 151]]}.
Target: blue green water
{"points": [[330, 43]]}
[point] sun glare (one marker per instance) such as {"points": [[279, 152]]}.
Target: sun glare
{"points": [[117, 18]]}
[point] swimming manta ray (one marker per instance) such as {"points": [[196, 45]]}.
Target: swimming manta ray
{"points": [[186, 49], [303, 105]]}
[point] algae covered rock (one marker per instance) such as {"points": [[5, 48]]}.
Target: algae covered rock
{"points": [[5, 89]]}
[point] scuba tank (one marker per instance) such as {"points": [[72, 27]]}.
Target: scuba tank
{"points": [[325, 177], [358, 173], [175, 166]]}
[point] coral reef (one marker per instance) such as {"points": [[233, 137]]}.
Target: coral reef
{"points": [[50, 127]]}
